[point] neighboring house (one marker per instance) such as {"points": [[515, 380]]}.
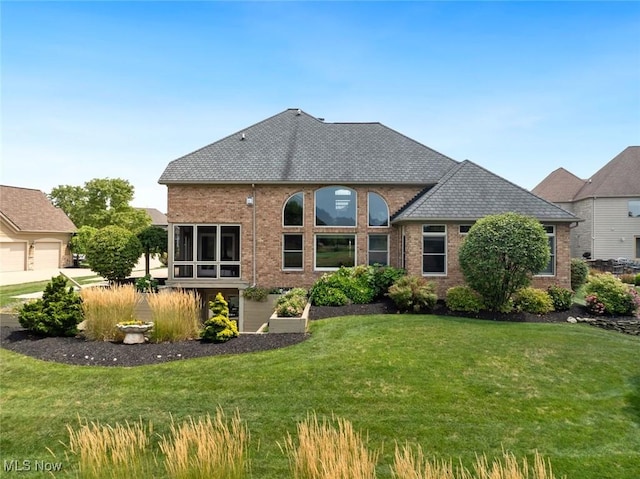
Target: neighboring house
{"points": [[285, 200], [158, 218], [34, 234], [608, 202]]}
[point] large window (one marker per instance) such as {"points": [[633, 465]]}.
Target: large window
{"points": [[434, 249], [378, 210], [378, 250], [333, 251], [550, 269], [292, 252], [216, 249], [294, 210], [634, 208], [336, 206]]}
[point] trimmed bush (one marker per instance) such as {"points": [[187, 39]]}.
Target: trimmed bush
{"points": [[532, 300], [219, 328], [562, 298], [463, 298], [579, 273], [292, 304], [255, 293], [113, 252], [58, 313], [382, 277], [354, 283], [606, 294], [413, 293]]}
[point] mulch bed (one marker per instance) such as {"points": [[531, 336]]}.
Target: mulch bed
{"points": [[78, 351]]}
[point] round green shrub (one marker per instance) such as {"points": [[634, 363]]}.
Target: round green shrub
{"points": [[58, 313], [562, 298], [532, 300], [616, 297], [579, 273], [413, 293], [113, 252], [463, 298]]}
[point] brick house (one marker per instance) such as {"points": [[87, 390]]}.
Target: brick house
{"points": [[291, 197], [34, 234]]}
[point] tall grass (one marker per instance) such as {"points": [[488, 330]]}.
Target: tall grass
{"points": [[324, 451], [106, 452], [105, 307], [412, 464], [175, 315], [207, 449]]}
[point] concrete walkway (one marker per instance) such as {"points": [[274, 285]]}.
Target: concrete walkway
{"points": [[21, 277]]}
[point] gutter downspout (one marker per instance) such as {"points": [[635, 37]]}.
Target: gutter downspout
{"points": [[255, 241]]}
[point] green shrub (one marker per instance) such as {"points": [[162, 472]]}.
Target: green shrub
{"points": [[532, 300], [382, 277], [628, 278], [413, 293], [615, 297], [58, 313], [219, 328], [113, 252], [500, 254], [579, 273], [255, 293], [463, 298], [637, 280], [147, 284], [354, 283], [292, 303], [562, 298]]}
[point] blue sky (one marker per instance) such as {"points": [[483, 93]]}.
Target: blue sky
{"points": [[119, 89]]}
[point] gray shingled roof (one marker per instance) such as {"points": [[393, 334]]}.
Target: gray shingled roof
{"points": [[293, 147], [469, 192], [30, 210]]}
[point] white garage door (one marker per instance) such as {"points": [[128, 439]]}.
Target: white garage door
{"points": [[47, 256], [12, 256]]}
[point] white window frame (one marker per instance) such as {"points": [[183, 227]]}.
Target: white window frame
{"points": [[354, 197], [285, 206], [550, 231], [369, 209], [194, 262], [386, 251], [435, 234], [284, 268], [333, 268]]}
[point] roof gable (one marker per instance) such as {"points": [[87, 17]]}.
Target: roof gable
{"points": [[30, 210], [560, 186], [469, 192], [295, 147], [619, 177]]}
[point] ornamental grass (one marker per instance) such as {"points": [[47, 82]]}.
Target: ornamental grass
{"points": [[105, 307], [328, 451], [175, 315], [207, 449], [106, 452]]}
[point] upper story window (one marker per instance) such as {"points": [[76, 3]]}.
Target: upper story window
{"points": [[294, 210], [336, 206], [378, 210], [634, 208]]}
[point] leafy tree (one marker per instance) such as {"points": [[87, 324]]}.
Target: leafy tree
{"points": [[154, 240], [80, 241], [500, 255], [113, 252], [100, 202], [56, 314]]}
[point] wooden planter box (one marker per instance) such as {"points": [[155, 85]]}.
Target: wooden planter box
{"points": [[290, 325]]}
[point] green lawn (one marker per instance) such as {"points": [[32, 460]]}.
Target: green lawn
{"points": [[457, 387], [8, 292]]}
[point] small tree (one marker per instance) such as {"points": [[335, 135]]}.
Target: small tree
{"points": [[113, 252], [219, 328], [82, 238], [154, 240], [56, 314], [500, 255]]}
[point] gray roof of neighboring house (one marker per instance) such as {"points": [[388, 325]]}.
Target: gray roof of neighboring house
{"points": [[619, 177], [468, 192], [30, 210], [560, 186], [158, 218], [295, 147]]}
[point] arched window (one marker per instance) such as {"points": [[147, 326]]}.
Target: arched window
{"points": [[336, 206], [378, 210], [294, 210]]}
